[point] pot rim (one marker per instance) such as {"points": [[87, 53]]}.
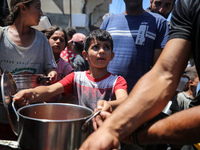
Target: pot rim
{"points": [[56, 121]]}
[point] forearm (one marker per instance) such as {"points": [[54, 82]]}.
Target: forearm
{"points": [[180, 128], [121, 95], [152, 92], [115, 103], [141, 107], [41, 94]]}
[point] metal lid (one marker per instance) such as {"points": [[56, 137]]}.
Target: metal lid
{"points": [[1, 72], [8, 89]]}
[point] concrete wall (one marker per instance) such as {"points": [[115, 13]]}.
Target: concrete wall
{"points": [[86, 14]]}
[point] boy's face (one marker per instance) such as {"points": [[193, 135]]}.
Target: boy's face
{"points": [[99, 54]]}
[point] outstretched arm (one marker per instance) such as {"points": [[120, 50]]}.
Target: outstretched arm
{"points": [[40, 93], [147, 99]]}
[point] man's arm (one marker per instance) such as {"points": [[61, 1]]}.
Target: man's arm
{"points": [[180, 128], [156, 55], [147, 99]]}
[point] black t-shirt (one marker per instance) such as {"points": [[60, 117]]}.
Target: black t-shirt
{"points": [[185, 24]]}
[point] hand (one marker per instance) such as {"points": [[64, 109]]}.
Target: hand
{"points": [[105, 113], [23, 97], [53, 76], [101, 139]]}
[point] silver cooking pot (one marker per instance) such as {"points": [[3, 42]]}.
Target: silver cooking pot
{"points": [[26, 81], [52, 126]]}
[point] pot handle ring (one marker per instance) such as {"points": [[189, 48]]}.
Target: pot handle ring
{"points": [[13, 106], [15, 110], [83, 126]]}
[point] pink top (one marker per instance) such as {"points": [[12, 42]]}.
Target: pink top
{"points": [[64, 68]]}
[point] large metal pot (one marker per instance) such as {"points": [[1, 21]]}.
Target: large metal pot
{"points": [[52, 126], [26, 81]]}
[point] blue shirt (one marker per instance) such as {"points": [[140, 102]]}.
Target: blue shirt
{"points": [[135, 38]]}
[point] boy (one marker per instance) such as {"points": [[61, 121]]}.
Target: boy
{"points": [[90, 86]]}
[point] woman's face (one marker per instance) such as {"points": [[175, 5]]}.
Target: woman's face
{"points": [[57, 41]]}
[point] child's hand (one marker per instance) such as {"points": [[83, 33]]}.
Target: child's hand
{"points": [[23, 97], [105, 113], [53, 76]]}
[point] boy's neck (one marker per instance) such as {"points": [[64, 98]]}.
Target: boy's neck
{"points": [[98, 73]]}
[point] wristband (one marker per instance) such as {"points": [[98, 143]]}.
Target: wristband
{"points": [[133, 139]]}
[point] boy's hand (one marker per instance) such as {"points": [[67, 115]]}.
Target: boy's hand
{"points": [[53, 76], [105, 113], [23, 97]]}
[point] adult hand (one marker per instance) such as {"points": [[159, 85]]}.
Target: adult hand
{"points": [[105, 113], [106, 141]]}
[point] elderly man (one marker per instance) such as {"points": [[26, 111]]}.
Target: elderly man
{"points": [[162, 7]]}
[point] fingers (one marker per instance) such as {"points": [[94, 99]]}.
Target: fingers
{"points": [[23, 98], [99, 119], [100, 139], [97, 122], [104, 105], [105, 114], [53, 77], [21, 103]]}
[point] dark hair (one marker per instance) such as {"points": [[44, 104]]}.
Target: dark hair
{"points": [[99, 34], [70, 31], [15, 8], [49, 32], [79, 47]]}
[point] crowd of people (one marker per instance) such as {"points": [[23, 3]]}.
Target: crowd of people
{"points": [[133, 68]]}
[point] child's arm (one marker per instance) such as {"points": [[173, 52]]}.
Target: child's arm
{"points": [[107, 107], [40, 93], [121, 95]]}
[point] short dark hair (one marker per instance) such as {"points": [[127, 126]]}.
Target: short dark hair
{"points": [[172, 4], [98, 34], [70, 31], [49, 32]]}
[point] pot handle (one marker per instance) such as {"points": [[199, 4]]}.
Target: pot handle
{"points": [[13, 106], [83, 126]]}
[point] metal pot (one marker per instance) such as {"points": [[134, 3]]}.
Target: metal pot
{"points": [[26, 81], [52, 126]]}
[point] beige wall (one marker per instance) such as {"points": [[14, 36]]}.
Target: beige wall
{"points": [[50, 7], [94, 10]]}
